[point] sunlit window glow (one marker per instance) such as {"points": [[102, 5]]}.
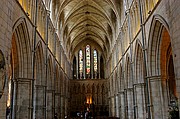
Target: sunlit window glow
{"points": [[81, 63], [95, 62], [88, 60]]}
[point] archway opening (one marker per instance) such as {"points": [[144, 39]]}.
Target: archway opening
{"points": [[19, 74], [13, 73], [171, 79], [167, 65], [167, 73]]}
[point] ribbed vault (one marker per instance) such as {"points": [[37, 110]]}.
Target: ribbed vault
{"points": [[81, 20]]}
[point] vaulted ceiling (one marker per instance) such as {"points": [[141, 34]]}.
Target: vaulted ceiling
{"points": [[81, 20]]}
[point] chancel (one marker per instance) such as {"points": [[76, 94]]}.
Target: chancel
{"points": [[89, 59]]}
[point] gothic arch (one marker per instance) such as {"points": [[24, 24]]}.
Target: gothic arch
{"points": [[139, 66], [50, 80], [39, 65], [21, 49], [116, 82], [119, 77], [40, 80], [57, 97], [157, 25], [128, 77], [61, 81], [159, 57], [50, 88], [57, 78], [139, 83], [167, 66], [21, 67], [122, 86]]}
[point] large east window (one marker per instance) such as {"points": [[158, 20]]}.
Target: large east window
{"points": [[87, 63]]}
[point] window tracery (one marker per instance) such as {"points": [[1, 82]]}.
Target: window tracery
{"points": [[87, 63]]}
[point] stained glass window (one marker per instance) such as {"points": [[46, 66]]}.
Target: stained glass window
{"points": [[88, 60], [81, 63], [95, 62]]}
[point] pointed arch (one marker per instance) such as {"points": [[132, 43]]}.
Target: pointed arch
{"points": [[21, 63], [61, 81], [40, 79], [50, 87], [57, 79], [159, 54], [121, 82], [50, 80], [128, 80], [39, 61], [21, 49], [157, 25], [116, 82], [139, 66]]}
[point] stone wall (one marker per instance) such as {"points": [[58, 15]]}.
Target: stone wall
{"points": [[149, 57], [29, 53]]}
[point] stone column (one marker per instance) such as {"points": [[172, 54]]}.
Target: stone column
{"points": [[62, 107], [61, 97], [92, 63], [140, 101], [112, 107], [40, 109], [165, 96], [50, 104], [99, 72], [22, 98], [109, 101], [65, 106], [155, 85], [117, 106], [122, 105], [130, 103], [77, 66], [57, 104]]}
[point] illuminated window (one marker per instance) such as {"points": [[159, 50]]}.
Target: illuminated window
{"points": [[88, 61], [88, 64], [80, 64], [95, 63]]}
